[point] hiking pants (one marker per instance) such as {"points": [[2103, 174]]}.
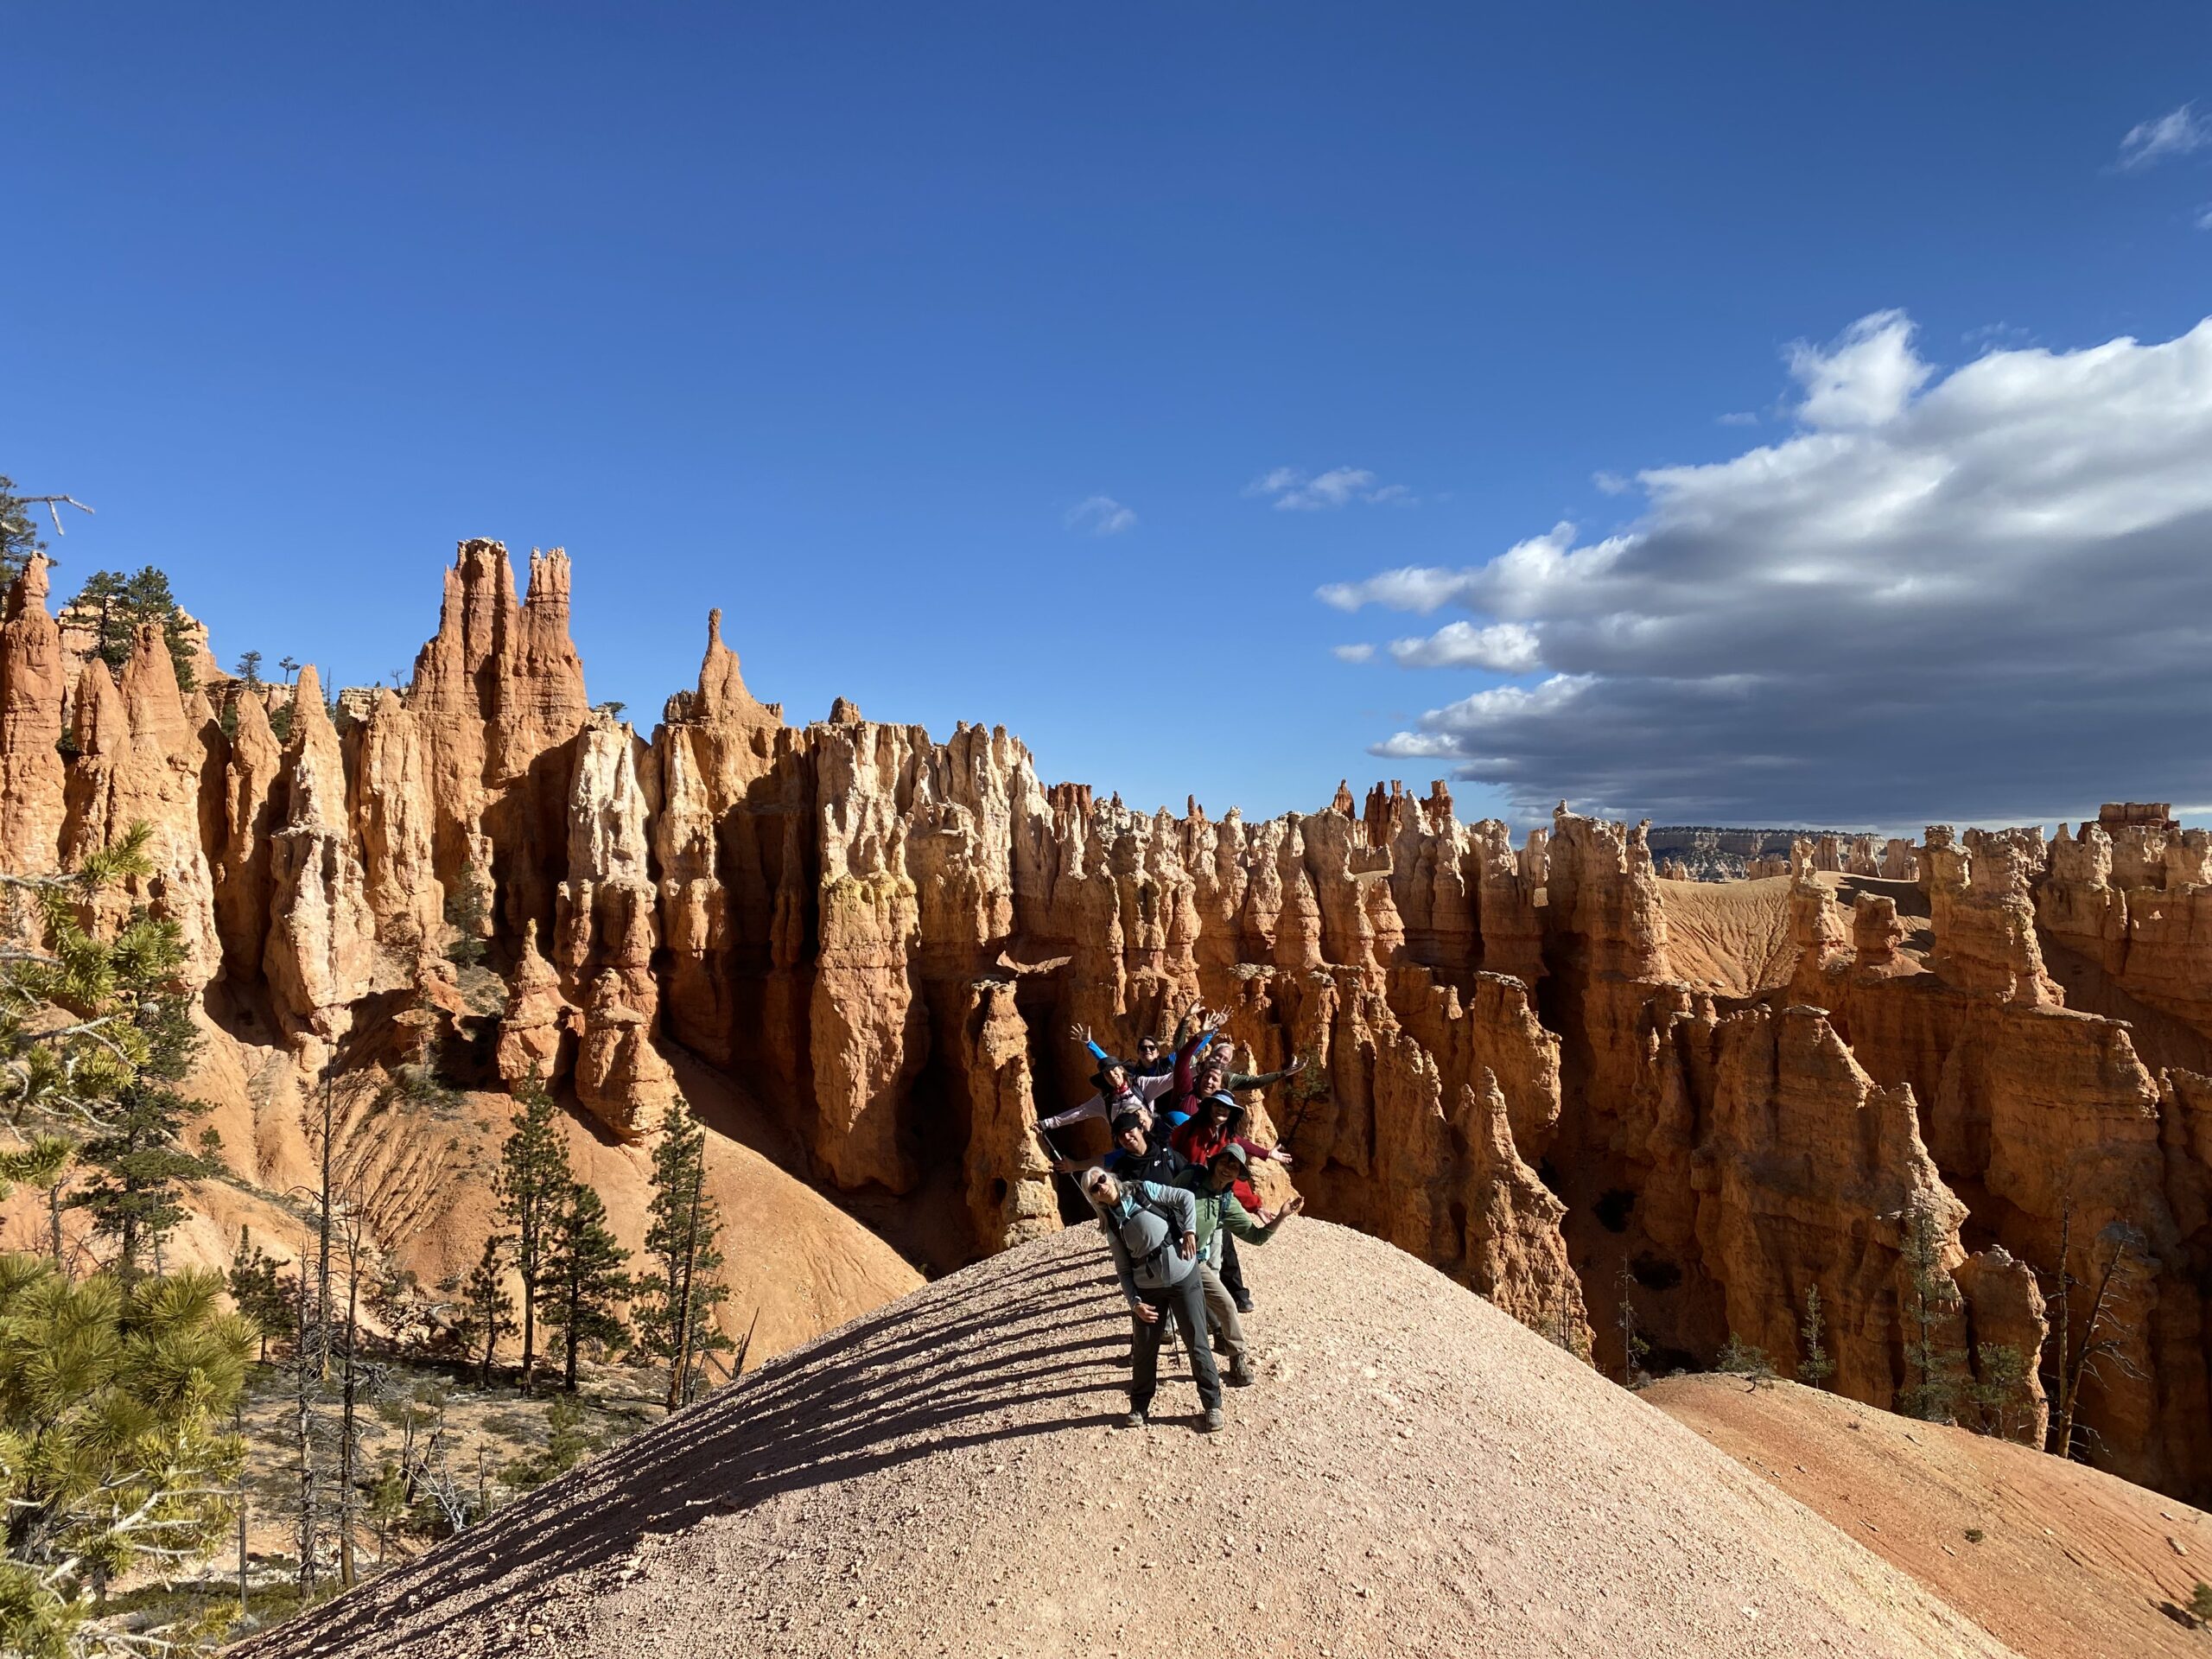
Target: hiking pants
{"points": [[1221, 1310], [1232, 1271], [1184, 1306]]}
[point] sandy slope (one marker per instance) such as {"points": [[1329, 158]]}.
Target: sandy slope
{"points": [[1731, 936], [1416, 1474], [2071, 1564], [421, 1176]]}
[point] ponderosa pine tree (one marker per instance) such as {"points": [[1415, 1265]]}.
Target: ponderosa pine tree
{"points": [[587, 1281], [114, 605], [114, 1403], [675, 1312], [19, 536], [258, 1291], [69, 1075], [43, 1161], [1931, 1303], [533, 1185], [466, 907], [139, 1156], [487, 1313], [1815, 1368]]}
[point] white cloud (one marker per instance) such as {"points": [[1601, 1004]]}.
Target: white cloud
{"points": [[2204, 217], [1503, 648], [1864, 378], [1293, 492], [1102, 513], [1941, 593], [1352, 653], [1612, 483], [2177, 132], [1739, 417]]}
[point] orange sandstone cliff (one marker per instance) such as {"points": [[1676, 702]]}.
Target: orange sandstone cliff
{"points": [[857, 949]]}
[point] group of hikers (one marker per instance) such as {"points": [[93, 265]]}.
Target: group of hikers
{"points": [[1174, 1194]]}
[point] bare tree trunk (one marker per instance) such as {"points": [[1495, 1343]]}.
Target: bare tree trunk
{"points": [[574, 1293], [304, 1446], [529, 1334], [680, 1361], [53, 1222], [346, 1419], [2061, 1426], [322, 1240], [238, 1418]]}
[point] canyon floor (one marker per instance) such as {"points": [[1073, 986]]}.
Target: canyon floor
{"points": [[2068, 1562], [1415, 1473]]}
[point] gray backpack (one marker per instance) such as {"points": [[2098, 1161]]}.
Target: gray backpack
{"points": [[1150, 1235]]}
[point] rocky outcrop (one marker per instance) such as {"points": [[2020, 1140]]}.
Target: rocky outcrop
{"points": [[34, 684], [536, 1034], [1807, 1179], [388, 805], [877, 941], [321, 932], [1009, 1176]]}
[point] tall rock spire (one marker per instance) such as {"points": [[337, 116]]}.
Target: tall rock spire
{"points": [[34, 684]]}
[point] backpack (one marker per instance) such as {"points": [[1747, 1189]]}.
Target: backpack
{"points": [[1154, 1265]]}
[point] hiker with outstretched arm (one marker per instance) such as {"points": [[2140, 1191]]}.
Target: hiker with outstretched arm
{"points": [[1222, 1215], [1154, 1057], [1154, 1231], [1119, 1092], [1216, 1120]]}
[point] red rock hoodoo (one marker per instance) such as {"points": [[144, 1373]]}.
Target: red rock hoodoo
{"points": [[882, 939]]}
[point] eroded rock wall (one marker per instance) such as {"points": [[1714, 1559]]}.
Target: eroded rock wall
{"points": [[882, 939]]}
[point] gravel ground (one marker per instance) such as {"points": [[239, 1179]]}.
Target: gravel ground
{"points": [[1415, 1473]]}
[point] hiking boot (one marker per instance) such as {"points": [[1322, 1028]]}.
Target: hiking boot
{"points": [[1214, 1420], [1243, 1300], [1134, 1419], [1241, 1374]]}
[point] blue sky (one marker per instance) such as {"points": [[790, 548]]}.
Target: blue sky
{"points": [[837, 317]]}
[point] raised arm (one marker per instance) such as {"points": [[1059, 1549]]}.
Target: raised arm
{"points": [[1183, 1022], [1082, 1035], [1240, 1081], [1094, 1107], [1236, 1218], [1259, 1154], [1189, 1048]]}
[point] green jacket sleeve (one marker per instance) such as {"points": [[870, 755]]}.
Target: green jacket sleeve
{"points": [[1236, 1218], [1240, 1081]]}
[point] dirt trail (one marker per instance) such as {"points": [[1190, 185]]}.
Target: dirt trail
{"points": [[2071, 1563], [1415, 1474]]}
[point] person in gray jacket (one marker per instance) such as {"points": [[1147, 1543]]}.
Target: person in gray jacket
{"points": [[1154, 1233]]}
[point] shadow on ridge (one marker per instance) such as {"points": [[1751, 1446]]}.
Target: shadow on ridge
{"points": [[891, 1388]]}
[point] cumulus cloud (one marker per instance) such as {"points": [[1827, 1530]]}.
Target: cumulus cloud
{"points": [[1612, 483], [1292, 490], [1352, 653], [1980, 595], [1103, 514], [2177, 132], [1502, 648], [1864, 378]]}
